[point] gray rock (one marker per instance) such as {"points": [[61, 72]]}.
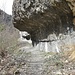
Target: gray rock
{"points": [[40, 18]]}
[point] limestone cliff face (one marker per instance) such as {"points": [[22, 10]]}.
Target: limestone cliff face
{"points": [[42, 17]]}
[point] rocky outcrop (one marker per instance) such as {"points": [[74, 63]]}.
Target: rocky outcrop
{"points": [[71, 4], [40, 18]]}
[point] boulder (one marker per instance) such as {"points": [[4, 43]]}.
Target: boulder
{"points": [[40, 18]]}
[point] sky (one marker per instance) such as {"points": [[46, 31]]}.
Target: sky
{"points": [[6, 5]]}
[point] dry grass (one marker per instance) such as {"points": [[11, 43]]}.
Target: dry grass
{"points": [[8, 39], [69, 52]]}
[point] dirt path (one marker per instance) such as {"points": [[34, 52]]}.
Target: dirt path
{"points": [[34, 62]]}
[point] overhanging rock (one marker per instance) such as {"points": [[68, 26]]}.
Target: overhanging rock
{"points": [[40, 18]]}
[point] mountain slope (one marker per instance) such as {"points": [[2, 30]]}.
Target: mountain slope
{"points": [[5, 18]]}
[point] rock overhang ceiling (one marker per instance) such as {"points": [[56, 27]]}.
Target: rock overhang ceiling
{"points": [[42, 17]]}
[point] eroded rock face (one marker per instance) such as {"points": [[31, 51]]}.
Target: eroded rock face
{"points": [[40, 18], [71, 4]]}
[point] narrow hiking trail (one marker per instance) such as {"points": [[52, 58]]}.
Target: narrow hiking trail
{"points": [[35, 62], [27, 60]]}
